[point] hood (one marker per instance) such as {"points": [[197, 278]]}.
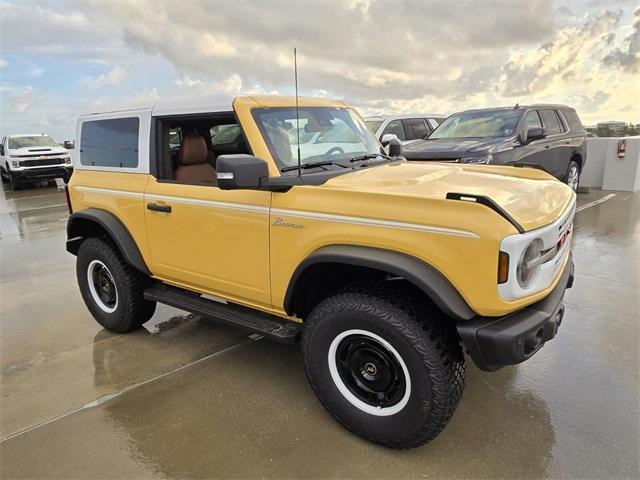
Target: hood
{"points": [[35, 151], [451, 147], [532, 197]]}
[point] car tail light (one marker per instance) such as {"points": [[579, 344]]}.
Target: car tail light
{"points": [[622, 148], [66, 194]]}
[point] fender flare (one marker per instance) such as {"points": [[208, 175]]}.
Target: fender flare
{"points": [[433, 283], [114, 228]]}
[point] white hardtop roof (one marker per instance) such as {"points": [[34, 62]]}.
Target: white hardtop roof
{"points": [[173, 106], [16, 135], [405, 115]]}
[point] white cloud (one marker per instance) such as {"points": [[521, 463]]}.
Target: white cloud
{"points": [[112, 77], [185, 81], [3, 64]]}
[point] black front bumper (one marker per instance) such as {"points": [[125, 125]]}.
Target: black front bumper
{"points": [[493, 342], [56, 171]]}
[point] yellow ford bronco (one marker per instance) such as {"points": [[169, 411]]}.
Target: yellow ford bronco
{"points": [[296, 224]]}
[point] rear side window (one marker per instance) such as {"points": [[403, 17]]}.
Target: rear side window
{"points": [[110, 143], [415, 128], [573, 119], [551, 123]]}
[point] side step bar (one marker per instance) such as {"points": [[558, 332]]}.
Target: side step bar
{"points": [[244, 318]]}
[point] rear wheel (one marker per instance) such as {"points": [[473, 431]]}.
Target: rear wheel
{"points": [[384, 364], [112, 289], [572, 177], [15, 184]]}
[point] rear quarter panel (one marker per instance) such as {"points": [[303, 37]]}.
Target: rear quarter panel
{"points": [[121, 194]]}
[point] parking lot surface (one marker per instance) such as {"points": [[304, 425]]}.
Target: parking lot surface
{"points": [[185, 397]]}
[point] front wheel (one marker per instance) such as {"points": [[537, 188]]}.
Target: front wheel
{"points": [[112, 289], [572, 177], [384, 364]]}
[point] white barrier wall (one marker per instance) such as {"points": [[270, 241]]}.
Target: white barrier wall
{"points": [[605, 170]]}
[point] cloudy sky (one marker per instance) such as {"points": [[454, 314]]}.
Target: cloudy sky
{"points": [[60, 58]]}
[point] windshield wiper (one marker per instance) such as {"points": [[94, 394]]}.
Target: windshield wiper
{"points": [[370, 156], [304, 166]]}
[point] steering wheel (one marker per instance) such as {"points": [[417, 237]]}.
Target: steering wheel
{"points": [[334, 150]]}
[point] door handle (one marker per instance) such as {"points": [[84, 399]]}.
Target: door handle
{"points": [[546, 146], [159, 208]]}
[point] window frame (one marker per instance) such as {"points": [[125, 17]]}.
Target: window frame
{"points": [[555, 115], [134, 131], [524, 119], [158, 150], [406, 127], [564, 125], [144, 134], [382, 134]]}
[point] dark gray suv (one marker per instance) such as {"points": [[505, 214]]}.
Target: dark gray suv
{"points": [[550, 137]]}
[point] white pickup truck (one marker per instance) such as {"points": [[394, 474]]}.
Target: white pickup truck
{"points": [[35, 157]]}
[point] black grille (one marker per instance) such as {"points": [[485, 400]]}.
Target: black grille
{"points": [[38, 154], [42, 163]]}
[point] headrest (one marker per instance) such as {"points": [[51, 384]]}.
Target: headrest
{"points": [[193, 149]]}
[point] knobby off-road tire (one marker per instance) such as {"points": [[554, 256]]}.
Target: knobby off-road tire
{"points": [[355, 337], [111, 289]]}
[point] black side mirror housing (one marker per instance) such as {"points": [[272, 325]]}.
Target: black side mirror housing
{"points": [[241, 172], [535, 133], [395, 147]]}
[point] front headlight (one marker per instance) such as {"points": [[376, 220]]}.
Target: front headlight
{"points": [[15, 163], [527, 264], [486, 158], [67, 160]]}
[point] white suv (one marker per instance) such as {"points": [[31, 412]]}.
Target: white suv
{"points": [[36, 157], [406, 127]]}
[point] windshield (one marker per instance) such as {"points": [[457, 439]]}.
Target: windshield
{"points": [[373, 125], [34, 141], [326, 134], [490, 123]]}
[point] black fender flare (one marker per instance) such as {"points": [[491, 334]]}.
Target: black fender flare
{"points": [[433, 283], [114, 228]]}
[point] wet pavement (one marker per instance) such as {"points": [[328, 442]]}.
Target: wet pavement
{"points": [[188, 398]]}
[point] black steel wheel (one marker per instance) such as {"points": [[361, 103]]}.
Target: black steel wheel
{"points": [[369, 369]]}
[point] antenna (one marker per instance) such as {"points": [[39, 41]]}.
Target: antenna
{"points": [[295, 73]]}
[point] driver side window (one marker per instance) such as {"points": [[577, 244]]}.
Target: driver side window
{"points": [[394, 127], [532, 120]]}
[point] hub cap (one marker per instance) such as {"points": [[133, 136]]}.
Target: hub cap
{"points": [[102, 287], [369, 372]]}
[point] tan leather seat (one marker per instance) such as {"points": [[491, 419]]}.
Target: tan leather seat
{"points": [[193, 160]]}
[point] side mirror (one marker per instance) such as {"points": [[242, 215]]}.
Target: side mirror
{"points": [[395, 147], [535, 133], [240, 171], [387, 137]]}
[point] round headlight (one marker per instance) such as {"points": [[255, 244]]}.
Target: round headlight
{"points": [[525, 274]]}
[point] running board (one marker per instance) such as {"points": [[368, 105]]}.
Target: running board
{"points": [[253, 321]]}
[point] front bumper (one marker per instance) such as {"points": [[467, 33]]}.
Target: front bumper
{"points": [[493, 342], [38, 173]]}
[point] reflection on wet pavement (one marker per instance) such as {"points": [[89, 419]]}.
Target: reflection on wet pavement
{"points": [[188, 398]]}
